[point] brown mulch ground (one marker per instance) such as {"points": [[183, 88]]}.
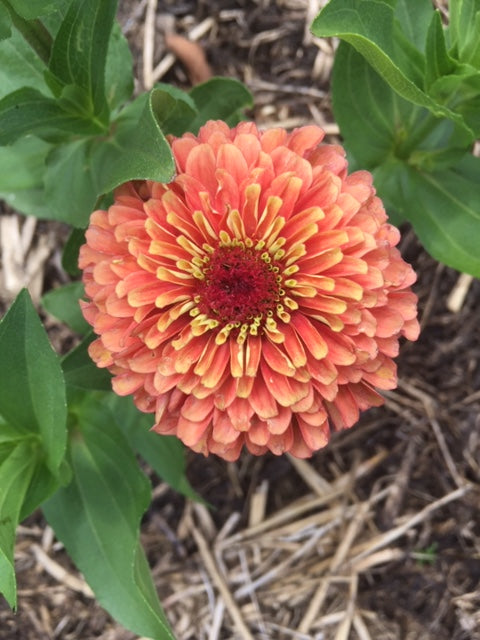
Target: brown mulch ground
{"points": [[375, 537]]}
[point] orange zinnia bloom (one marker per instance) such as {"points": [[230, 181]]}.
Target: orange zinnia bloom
{"points": [[257, 299]]}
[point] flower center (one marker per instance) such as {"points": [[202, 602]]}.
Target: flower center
{"points": [[240, 286]]}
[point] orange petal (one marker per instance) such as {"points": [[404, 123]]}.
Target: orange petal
{"points": [[305, 138], [262, 401], [190, 432], [127, 383], [389, 321], [344, 410], [310, 335], [223, 430], [196, 410], [253, 353], [279, 423], [240, 413], [237, 358], [277, 359], [294, 347], [218, 363], [189, 355], [250, 209], [259, 433], [315, 436], [285, 390], [280, 444]]}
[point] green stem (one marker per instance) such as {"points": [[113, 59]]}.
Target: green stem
{"points": [[418, 135], [33, 31]]}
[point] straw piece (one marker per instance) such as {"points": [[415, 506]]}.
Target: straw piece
{"points": [[459, 292], [149, 44], [365, 549], [221, 585], [310, 476], [258, 504], [59, 573]]}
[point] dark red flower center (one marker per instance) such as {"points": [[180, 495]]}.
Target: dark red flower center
{"points": [[240, 284]]}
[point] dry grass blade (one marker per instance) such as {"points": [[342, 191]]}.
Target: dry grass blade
{"points": [[149, 44], [365, 549], [59, 573], [221, 585]]}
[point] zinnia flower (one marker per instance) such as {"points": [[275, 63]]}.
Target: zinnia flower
{"points": [[257, 299]]}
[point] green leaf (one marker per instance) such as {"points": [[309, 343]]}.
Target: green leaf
{"points": [[31, 380], [62, 303], [5, 23], [377, 124], [414, 16], [138, 149], [80, 48], [28, 111], [118, 71], [175, 109], [71, 250], [165, 454], [15, 475], [462, 91], [34, 31], [22, 166], [443, 208], [370, 27], [30, 9], [464, 29], [19, 66], [43, 483], [220, 99], [81, 171], [438, 62], [98, 515], [81, 372], [71, 186]]}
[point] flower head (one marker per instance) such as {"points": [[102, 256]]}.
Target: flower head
{"points": [[257, 299]]}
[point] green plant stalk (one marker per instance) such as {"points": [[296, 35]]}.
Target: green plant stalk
{"points": [[33, 31]]}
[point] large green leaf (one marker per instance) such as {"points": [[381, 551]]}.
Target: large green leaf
{"points": [[43, 483], [80, 48], [71, 251], [5, 23], [22, 166], [118, 71], [414, 16], [443, 208], [80, 371], [19, 66], [15, 474], [165, 454], [370, 27], [71, 187], [175, 109], [31, 380], [138, 148], [378, 125], [220, 99], [97, 517], [27, 111], [438, 61], [81, 171], [464, 28], [30, 9], [62, 303]]}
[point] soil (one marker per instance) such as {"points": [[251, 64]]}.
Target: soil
{"points": [[376, 536]]}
